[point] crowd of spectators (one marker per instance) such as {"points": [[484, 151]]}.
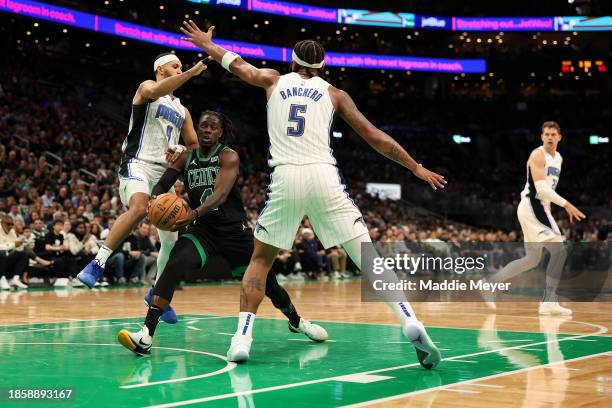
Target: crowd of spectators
{"points": [[58, 190]]}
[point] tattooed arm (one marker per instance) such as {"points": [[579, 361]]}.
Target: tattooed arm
{"points": [[379, 140]]}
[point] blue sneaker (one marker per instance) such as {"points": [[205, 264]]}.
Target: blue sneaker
{"points": [[168, 316], [90, 274]]}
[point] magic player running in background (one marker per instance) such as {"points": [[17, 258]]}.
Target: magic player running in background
{"points": [[539, 227], [157, 123], [305, 180], [217, 226]]}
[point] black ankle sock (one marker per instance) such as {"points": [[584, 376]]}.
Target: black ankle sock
{"points": [[292, 315], [152, 318]]}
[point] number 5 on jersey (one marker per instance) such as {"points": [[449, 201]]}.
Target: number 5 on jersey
{"points": [[294, 116]]}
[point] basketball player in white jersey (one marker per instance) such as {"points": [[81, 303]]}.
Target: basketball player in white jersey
{"points": [[539, 228], [305, 180], [157, 123]]}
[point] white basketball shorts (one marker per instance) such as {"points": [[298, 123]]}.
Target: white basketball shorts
{"points": [[537, 222], [140, 177], [313, 190]]}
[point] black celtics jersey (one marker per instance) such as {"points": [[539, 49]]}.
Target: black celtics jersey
{"points": [[199, 176]]}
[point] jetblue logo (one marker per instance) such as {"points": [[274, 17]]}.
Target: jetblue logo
{"points": [[234, 3], [297, 91], [170, 115], [432, 22], [553, 171], [214, 159]]}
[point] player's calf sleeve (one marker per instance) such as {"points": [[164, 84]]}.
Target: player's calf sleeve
{"points": [[400, 307], [281, 300], [554, 270], [184, 258], [167, 240], [531, 259]]}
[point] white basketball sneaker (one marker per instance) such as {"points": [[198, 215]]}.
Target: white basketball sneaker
{"points": [[139, 343], [240, 348], [427, 352], [17, 283], [4, 285], [552, 308], [313, 331]]}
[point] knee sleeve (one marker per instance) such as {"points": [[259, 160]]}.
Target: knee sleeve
{"points": [[184, 258]]}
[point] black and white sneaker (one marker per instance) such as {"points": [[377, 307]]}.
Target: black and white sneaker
{"points": [[139, 343]]}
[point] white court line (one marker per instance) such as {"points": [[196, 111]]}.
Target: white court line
{"points": [[585, 340], [485, 385], [507, 341], [467, 382], [464, 361], [532, 349], [193, 328], [229, 365], [461, 391], [310, 341], [71, 320], [226, 334], [601, 329], [36, 329]]}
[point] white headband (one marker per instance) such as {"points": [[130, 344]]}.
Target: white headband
{"points": [[164, 60], [297, 59]]}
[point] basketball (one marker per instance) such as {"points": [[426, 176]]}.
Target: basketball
{"points": [[165, 210]]}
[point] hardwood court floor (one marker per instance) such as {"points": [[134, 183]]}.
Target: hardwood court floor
{"points": [[511, 358]]}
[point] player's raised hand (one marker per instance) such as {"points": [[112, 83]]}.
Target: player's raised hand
{"points": [[174, 152], [433, 179], [573, 212], [197, 69], [195, 35]]}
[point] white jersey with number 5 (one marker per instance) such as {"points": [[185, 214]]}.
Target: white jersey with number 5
{"points": [[300, 115]]}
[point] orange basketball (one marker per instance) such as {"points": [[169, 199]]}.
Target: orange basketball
{"points": [[166, 209]]}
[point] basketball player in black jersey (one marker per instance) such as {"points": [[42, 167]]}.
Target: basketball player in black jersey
{"points": [[217, 225]]}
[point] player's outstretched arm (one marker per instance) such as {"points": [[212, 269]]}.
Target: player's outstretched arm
{"points": [[537, 167], [156, 89], [261, 77], [379, 140], [230, 166]]}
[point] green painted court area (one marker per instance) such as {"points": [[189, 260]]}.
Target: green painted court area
{"points": [[362, 362]]}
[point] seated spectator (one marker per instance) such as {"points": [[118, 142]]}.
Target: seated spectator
{"points": [[284, 264], [82, 246], [109, 224], [311, 254], [127, 258], [337, 258], [13, 263], [27, 243], [56, 250], [147, 247]]}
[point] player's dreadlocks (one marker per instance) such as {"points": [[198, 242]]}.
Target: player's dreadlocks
{"points": [[228, 127], [311, 52]]}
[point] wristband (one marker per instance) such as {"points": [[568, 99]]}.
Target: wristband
{"points": [[228, 58]]}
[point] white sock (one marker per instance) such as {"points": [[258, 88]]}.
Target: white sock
{"points": [[402, 310], [246, 320], [102, 256]]}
